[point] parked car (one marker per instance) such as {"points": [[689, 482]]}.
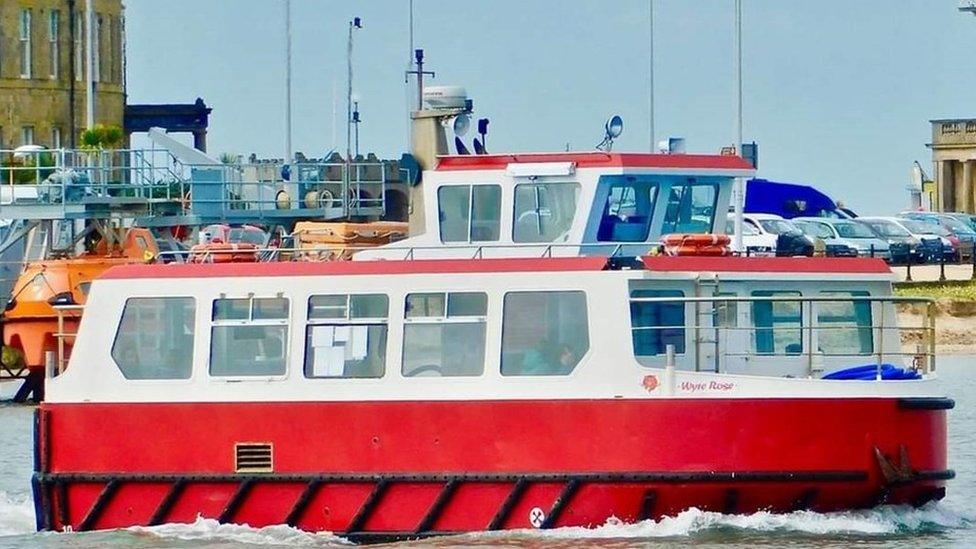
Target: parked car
{"points": [[854, 234], [790, 240], [830, 244], [965, 236], [754, 241], [905, 245], [966, 218]]}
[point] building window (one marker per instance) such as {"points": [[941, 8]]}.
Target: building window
{"points": [[544, 333], [346, 336], [691, 209], [25, 43], [55, 137], [544, 211], [109, 66], [97, 50], [656, 323], [27, 135], [53, 36], [844, 325], [444, 334], [249, 337], [79, 46], [155, 338], [778, 324], [627, 212], [470, 213]]}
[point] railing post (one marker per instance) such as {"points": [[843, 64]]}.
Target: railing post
{"points": [[669, 352], [942, 276], [49, 362], [809, 336], [973, 258], [881, 330], [930, 335], [872, 250], [908, 267]]}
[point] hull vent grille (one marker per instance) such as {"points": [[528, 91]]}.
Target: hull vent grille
{"points": [[253, 457]]}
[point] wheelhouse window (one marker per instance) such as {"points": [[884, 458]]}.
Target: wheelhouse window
{"points": [[655, 322], [544, 333], [628, 211], [844, 326], [691, 208], [249, 336], [470, 213], [544, 211], [444, 334], [778, 324], [346, 336], [155, 338]]}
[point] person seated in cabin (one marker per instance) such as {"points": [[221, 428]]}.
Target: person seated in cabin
{"points": [[546, 359]]}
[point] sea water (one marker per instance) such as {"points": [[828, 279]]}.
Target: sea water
{"points": [[949, 523]]}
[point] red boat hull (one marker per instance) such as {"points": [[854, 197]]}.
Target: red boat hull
{"points": [[402, 468]]}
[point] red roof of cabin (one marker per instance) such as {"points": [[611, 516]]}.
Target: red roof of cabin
{"points": [[597, 160], [373, 267], [840, 265]]}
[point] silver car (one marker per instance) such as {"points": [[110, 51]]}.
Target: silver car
{"points": [[852, 233]]}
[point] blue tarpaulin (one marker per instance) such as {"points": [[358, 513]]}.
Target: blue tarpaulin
{"points": [[787, 199]]}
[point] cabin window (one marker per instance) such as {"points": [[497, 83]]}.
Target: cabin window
{"points": [[778, 324], [155, 338], [656, 323], [346, 336], [544, 333], [470, 213], [691, 209], [627, 212], [444, 334], [544, 211], [844, 326], [249, 336]]}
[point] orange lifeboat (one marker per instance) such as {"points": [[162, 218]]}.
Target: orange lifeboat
{"points": [[713, 245], [30, 322]]}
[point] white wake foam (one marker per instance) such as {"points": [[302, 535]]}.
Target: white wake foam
{"points": [[16, 515], [879, 521], [211, 530]]}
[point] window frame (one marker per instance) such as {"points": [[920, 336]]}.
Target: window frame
{"points": [[469, 225], [678, 295], [580, 359], [578, 190], [26, 40], [685, 186], [248, 322], [347, 320], [118, 327], [53, 38], [653, 189], [798, 299], [440, 320], [853, 300]]}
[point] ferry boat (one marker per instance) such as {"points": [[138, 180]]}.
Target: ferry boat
{"points": [[407, 398]]}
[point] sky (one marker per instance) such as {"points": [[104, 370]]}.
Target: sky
{"points": [[837, 94]]}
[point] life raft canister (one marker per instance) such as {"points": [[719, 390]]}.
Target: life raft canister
{"points": [[702, 244], [224, 252]]}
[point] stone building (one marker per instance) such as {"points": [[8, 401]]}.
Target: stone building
{"points": [[954, 158], [42, 69]]}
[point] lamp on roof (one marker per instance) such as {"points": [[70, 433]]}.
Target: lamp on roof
{"points": [[613, 128]]}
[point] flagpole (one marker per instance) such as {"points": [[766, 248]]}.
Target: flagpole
{"points": [[738, 194], [288, 150], [89, 69], [651, 90]]}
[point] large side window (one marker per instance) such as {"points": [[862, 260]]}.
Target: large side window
{"points": [[444, 334], [346, 335], [778, 324], [627, 212], [544, 211], [844, 326], [470, 213], [656, 323], [249, 336], [155, 338], [543, 333], [691, 209]]}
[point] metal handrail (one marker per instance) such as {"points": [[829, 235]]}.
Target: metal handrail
{"points": [[926, 352]]}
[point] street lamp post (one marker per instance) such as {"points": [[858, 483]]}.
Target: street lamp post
{"points": [[356, 23]]}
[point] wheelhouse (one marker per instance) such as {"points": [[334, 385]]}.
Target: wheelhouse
{"points": [[623, 201]]}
